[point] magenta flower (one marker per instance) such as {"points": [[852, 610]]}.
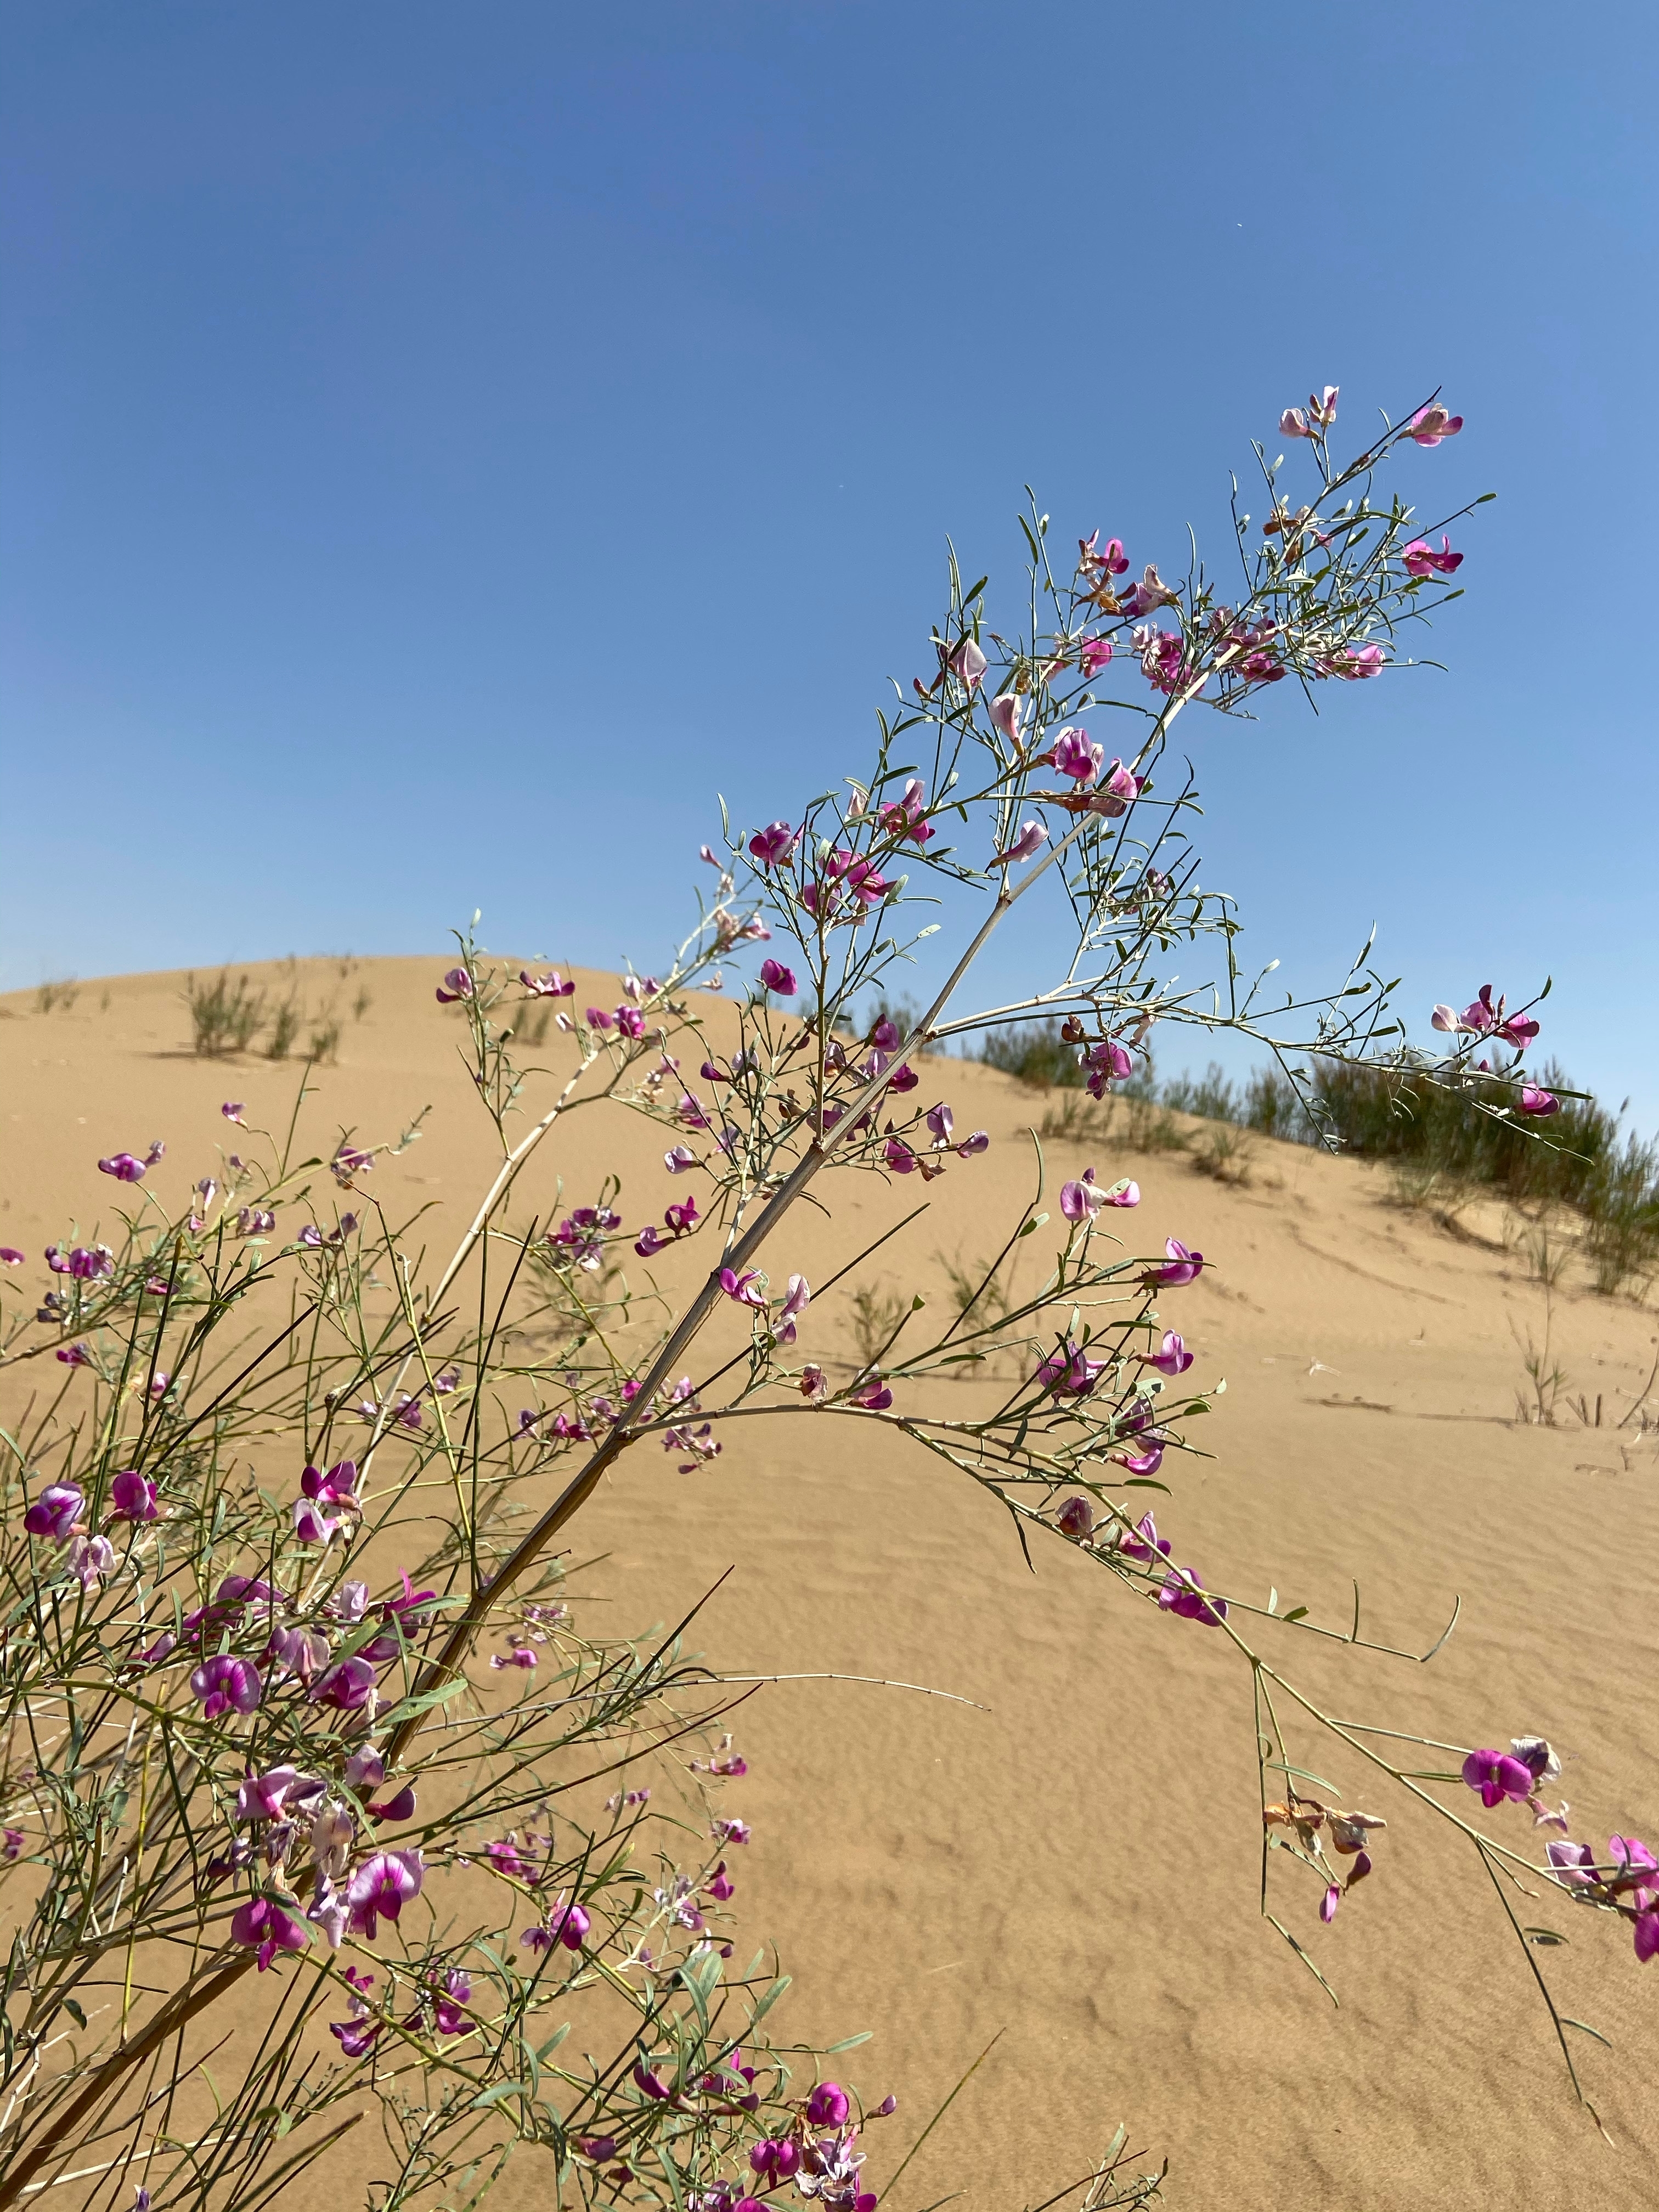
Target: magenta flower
{"points": [[681, 1158], [1069, 1373], [1031, 839], [520, 1656], [630, 1022], [337, 1487], [746, 1288], [55, 1512], [265, 1797], [885, 1035], [648, 1242], [1171, 1357], [10, 1256], [1634, 1862], [1076, 1518], [400, 1808], [681, 1218], [1497, 1776], [311, 1524], [1181, 1594], [132, 1497], [1076, 755], [74, 1355], [903, 1077], [1572, 1864], [598, 1018], [123, 1166], [348, 1685], [1646, 1932], [1005, 711], [1354, 663], [1536, 1101], [1112, 563], [266, 1925], [569, 1924], [1421, 559], [1096, 651], [903, 818], [232, 1109], [1108, 1062], [1143, 1542], [1183, 1266], [457, 984], [778, 2157], [875, 1399], [867, 884], [1328, 1903], [381, 1888], [1145, 1462], [774, 846], [1432, 423], [1118, 793], [549, 985], [828, 2106], [898, 1156], [776, 977], [1125, 1192], [227, 1685]]}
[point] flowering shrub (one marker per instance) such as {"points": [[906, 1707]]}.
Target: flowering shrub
{"points": [[253, 1746]]}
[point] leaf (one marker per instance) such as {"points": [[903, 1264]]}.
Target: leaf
{"points": [[1300, 1613], [1545, 1935], [74, 2012], [848, 2042], [497, 2092], [1584, 2028]]}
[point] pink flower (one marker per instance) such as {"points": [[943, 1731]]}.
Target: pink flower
{"points": [[1075, 755], [1421, 559], [1328, 1903], [746, 1288], [337, 1487], [942, 1123], [1497, 1776], [903, 818], [232, 1109], [568, 1923], [132, 1497], [1005, 712], [1143, 1542], [1432, 423], [1355, 662], [598, 1018], [348, 1685], [520, 1656], [679, 1159], [681, 1218], [1096, 651], [828, 2106], [74, 1355], [1536, 1101], [799, 1297], [123, 1166], [774, 845], [1124, 1194], [1108, 1062], [266, 1925], [630, 1022], [1081, 1201], [1184, 1266], [55, 1512], [979, 1142], [457, 984], [310, 1525], [1171, 1357], [381, 1888], [1294, 423], [1069, 1373], [967, 663], [10, 1256], [776, 977], [265, 1797], [227, 1685], [1112, 563], [549, 985], [1149, 594], [1031, 839]]}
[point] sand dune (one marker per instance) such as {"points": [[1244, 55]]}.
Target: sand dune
{"points": [[1077, 1867]]}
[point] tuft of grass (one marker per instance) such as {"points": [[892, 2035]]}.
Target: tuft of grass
{"points": [[876, 1317], [325, 1040], [1226, 1154], [58, 994], [1075, 1116], [225, 1016], [284, 1028], [362, 1003]]}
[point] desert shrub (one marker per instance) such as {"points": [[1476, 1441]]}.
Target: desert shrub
{"points": [[284, 1028], [303, 1718], [57, 996]]}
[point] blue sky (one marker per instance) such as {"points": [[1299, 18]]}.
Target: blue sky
{"points": [[443, 445]]}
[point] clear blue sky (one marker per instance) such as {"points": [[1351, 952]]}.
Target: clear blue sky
{"points": [[444, 444]]}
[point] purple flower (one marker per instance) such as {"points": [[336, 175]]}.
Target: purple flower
{"points": [[124, 1167], [337, 1487], [679, 1159], [91, 1557], [828, 2106], [1171, 1357], [1328, 1903], [967, 663], [1634, 1860], [898, 1156], [876, 1398], [903, 1077], [226, 1685], [266, 1925], [776, 977], [1539, 1102], [381, 1888], [774, 846], [1180, 1594], [569, 1924], [1143, 1542], [630, 1022], [457, 984], [746, 1288], [400, 1808], [1076, 1518], [886, 1036], [648, 1242], [132, 1497], [1096, 653], [365, 1769], [549, 985], [942, 1121], [311, 1524], [55, 1512], [979, 1142], [10, 1256], [1081, 1201], [1075, 755], [799, 1297], [1497, 1776], [1031, 839], [1421, 559], [1573, 1864]]}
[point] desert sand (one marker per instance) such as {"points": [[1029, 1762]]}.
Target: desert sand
{"points": [[1076, 1868]]}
